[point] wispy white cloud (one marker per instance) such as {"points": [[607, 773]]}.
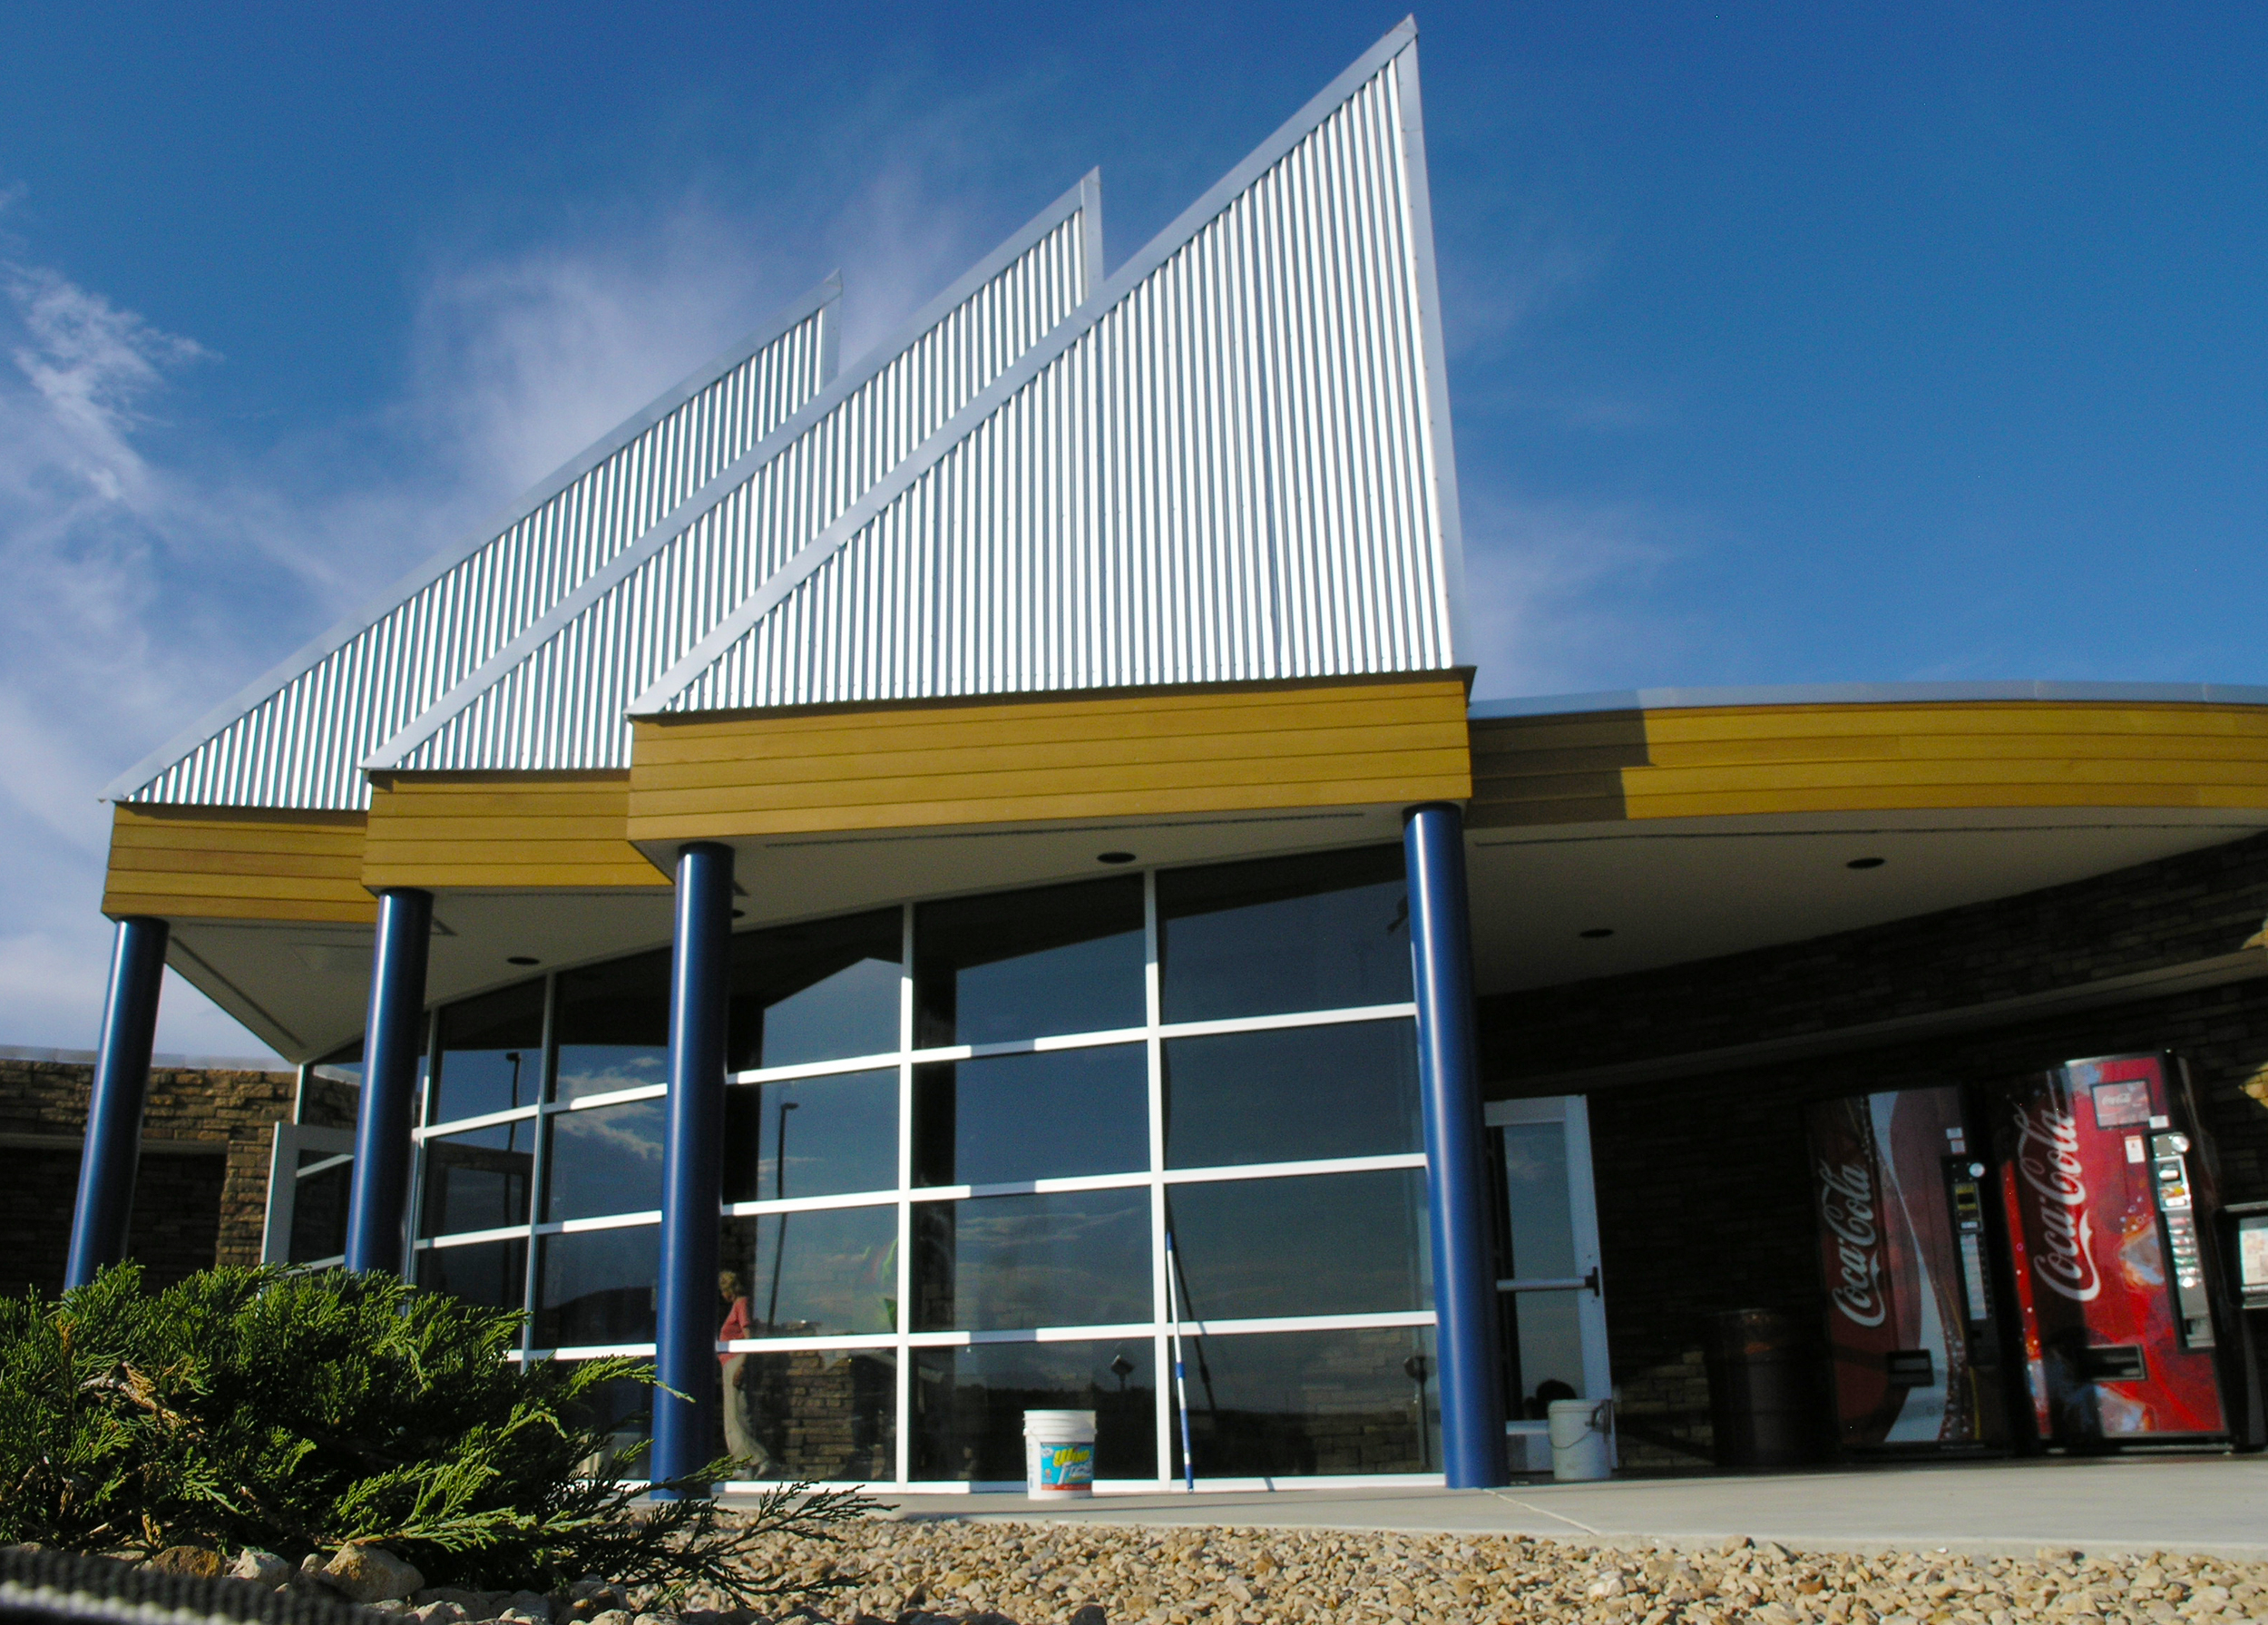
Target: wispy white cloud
{"points": [[1560, 595], [154, 567]]}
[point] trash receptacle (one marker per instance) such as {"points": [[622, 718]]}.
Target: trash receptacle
{"points": [[1582, 1439], [1058, 1454], [1760, 1390]]}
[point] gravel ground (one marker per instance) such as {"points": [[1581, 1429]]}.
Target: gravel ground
{"points": [[1041, 1573]]}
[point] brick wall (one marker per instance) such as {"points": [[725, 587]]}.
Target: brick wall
{"points": [[200, 1192], [1704, 1196]]}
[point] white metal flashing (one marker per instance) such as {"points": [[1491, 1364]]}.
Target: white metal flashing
{"points": [[1424, 631]]}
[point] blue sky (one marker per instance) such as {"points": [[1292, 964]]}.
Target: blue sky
{"points": [[1787, 343]]}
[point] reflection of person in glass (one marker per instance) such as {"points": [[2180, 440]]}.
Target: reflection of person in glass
{"points": [[740, 1440]]}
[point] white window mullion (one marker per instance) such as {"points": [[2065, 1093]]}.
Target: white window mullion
{"points": [[1153, 997], [903, 1432]]}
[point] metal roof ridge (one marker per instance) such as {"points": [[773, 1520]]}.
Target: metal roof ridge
{"points": [[1084, 198], [1866, 693], [1130, 275], [812, 302]]}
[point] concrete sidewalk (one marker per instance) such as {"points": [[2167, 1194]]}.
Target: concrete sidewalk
{"points": [[2204, 1504]]}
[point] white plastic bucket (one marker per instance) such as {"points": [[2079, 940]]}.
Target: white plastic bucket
{"points": [[1582, 1434], [1058, 1454]]}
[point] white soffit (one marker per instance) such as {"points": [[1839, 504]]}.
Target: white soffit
{"points": [[297, 737], [1234, 463], [558, 696]]}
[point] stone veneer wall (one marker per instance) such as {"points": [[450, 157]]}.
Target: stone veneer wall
{"points": [[1704, 1194], [201, 1193]]}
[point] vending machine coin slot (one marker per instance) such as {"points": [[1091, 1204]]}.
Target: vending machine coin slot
{"points": [[1964, 1183], [1910, 1367], [2113, 1363], [2177, 1208]]}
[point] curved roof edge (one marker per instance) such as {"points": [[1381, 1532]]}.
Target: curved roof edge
{"points": [[1870, 693]]}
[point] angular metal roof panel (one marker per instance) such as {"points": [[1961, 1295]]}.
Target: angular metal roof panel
{"points": [[297, 736], [1232, 463], [557, 696]]}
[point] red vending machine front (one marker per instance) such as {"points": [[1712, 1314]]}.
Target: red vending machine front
{"points": [[2097, 1175], [1901, 1195]]}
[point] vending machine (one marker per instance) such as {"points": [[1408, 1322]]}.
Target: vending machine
{"points": [[2110, 1211], [1913, 1331]]}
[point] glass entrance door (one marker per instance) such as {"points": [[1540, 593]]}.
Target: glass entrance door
{"points": [[1554, 1299]]}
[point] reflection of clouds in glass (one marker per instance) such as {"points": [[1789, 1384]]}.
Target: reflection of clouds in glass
{"points": [[604, 1070], [635, 1129]]}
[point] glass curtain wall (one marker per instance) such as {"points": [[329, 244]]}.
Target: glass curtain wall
{"points": [[958, 1138]]}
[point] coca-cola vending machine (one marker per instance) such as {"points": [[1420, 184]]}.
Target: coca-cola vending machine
{"points": [[2109, 1204], [1901, 1186]]}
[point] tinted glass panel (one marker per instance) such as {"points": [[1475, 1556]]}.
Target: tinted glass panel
{"points": [[1320, 1243], [605, 1160], [319, 1210], [1285, 1404], [826, 990], [492, 1053], [597, 1286], [828, 1274], [1535, 1185], [969, 1405], [1001, 1263], [841, 1135], [1327, 932], [817, 1416], [613, 1027], [494, 1273], [478, 1180], [1058, 1114], [1023, 964], [1295, 1095]]}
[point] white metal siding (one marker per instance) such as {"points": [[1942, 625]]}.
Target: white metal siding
{"points": [[1229, 475], [565, 704], [303, 745]]}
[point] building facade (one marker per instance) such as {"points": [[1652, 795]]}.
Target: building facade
{"points": [[924, 890]]}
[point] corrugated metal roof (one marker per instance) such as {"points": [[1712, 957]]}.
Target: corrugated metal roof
{"points": [[558, 695], [1231, 461], [1233, 464], [298, 737]]}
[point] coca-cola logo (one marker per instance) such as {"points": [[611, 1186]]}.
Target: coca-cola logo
{"points": [[2048, 1159], [1846, 1207]]}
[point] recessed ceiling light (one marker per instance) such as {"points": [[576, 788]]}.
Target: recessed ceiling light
{"points": [[1114, 858], [1866, 862], [523, 959], [1596, 932]]}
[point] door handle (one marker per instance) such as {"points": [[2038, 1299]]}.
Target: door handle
{"points": [[1573, 1283]]}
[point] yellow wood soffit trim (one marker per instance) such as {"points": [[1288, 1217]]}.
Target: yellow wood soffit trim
{"points": [[1051, 806], [1010, 786], [1142, 700], [1258, 754], [657, 744], [276, 910], [1960, 718]]}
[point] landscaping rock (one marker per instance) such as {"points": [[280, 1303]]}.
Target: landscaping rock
{"points": [[261, 1568], [612, 1616], [532, 1608], [442, 1612], [196, 1562], [371, 1574]]}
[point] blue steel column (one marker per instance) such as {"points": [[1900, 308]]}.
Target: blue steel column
{"points": [[693, 1165], [1449, 1080], [114, 1116], [391, 1039]]}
